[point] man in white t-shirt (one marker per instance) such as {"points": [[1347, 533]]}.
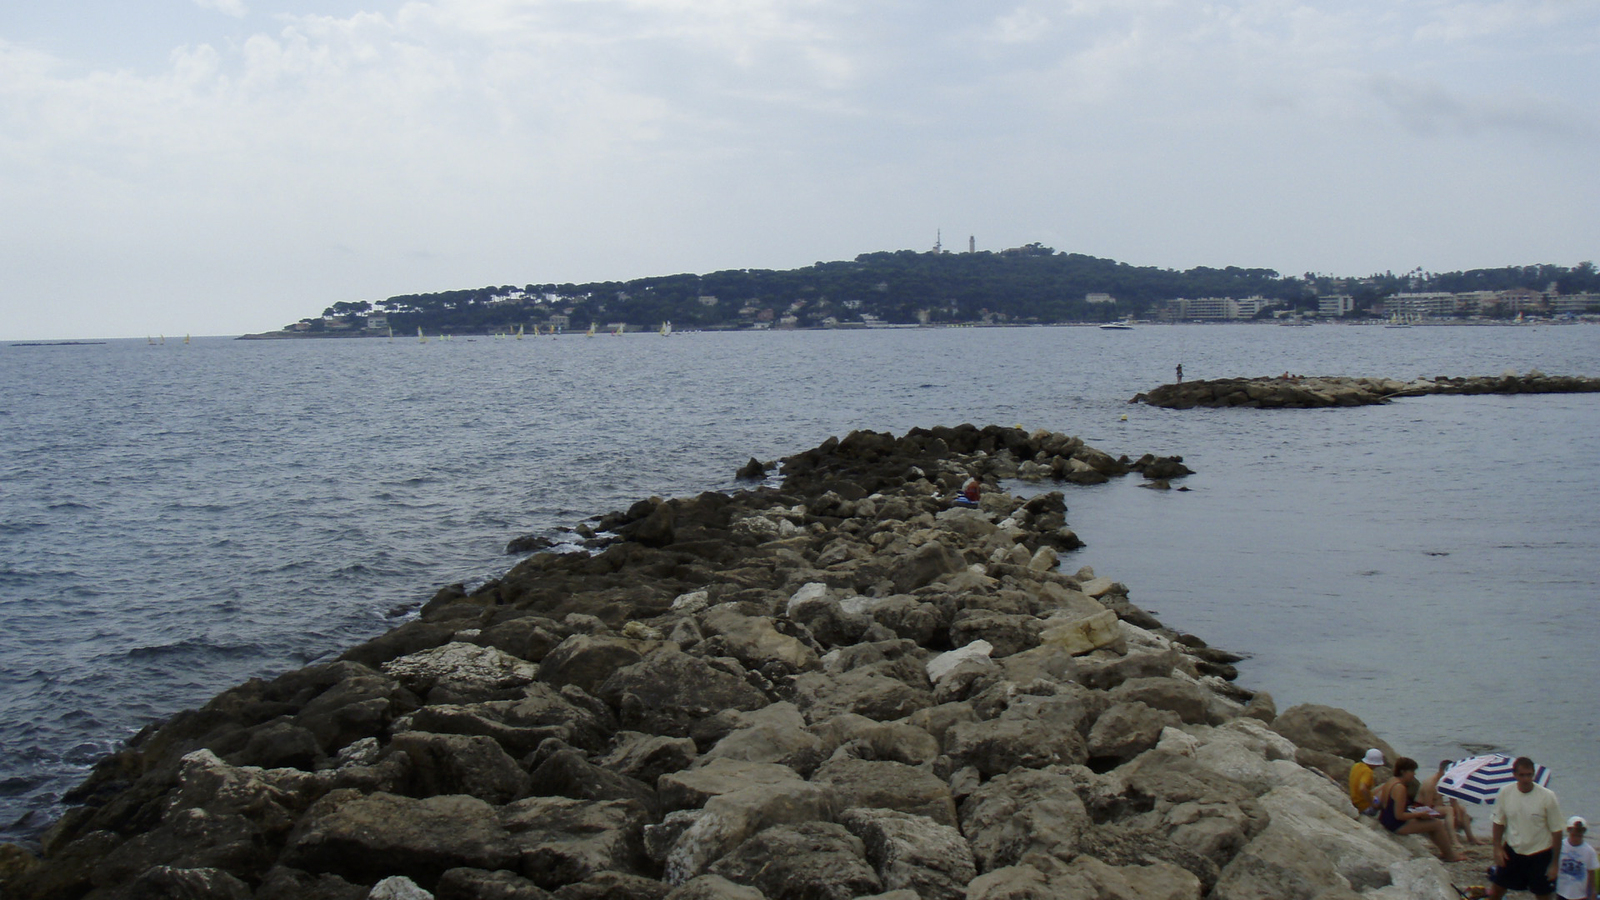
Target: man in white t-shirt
{"points": [[1576, 879], [1527, 836]]}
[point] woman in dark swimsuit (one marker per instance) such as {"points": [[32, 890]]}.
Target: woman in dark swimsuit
{"points": [[1396, 817]]}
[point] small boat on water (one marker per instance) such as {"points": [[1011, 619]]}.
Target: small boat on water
{"points": [[1119, 325], [666, 329]]}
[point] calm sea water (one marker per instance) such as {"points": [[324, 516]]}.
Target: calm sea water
{"points": [[177, 518]]}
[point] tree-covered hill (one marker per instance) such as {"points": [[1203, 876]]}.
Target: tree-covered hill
{"points": [[1029, 284]]}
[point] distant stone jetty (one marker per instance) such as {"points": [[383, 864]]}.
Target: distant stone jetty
{"points": [[841, 687], [1304, 391]]}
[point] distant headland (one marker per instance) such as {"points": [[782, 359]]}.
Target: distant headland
{"points": [[1028, 285]]}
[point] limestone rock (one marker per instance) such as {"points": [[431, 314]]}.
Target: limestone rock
{"points": [[1016, 816], [911, 852], [557, 840], [461, 672], [398, 887], [728, 820], [1083, 635], [807, 861], [460, 764], [364, 838], [1330, 730], [667, 691], [878, 784], [481, 884], [588, 660]]}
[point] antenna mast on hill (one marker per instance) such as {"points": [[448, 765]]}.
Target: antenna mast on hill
{"points": [[938, 241]]}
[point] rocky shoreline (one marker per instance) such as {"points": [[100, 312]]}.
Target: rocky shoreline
{"points": [[841, 687], [1307, 392]]}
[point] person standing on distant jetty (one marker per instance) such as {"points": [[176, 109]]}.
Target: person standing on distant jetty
{"points": [[1576, 880], [1180, 373], [1361, 781], [1527, 836]]}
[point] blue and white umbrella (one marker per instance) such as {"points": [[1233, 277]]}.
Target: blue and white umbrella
{"points": [[1478, 779]]}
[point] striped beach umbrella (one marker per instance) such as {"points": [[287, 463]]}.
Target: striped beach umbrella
{"points": [[1478, 779]]}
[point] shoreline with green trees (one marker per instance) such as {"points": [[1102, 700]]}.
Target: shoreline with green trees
{"points": [[1029, 285]]}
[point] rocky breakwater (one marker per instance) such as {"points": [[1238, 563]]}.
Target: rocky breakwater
{"points": [[838, 688], [1305, 392]]}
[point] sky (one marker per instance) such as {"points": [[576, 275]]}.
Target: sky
{"points": [[230, 166]]}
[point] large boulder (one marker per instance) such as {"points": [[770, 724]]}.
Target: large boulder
{"points": [[588, 660], [566, 773], [556, 841], [1032, 733], [772, 734], [755, 641], [364, 838], [1329, 730], [807, 861], [669, 690], [867, 691], [460, 764], [911, 852], [459, 672], [691, 788], [1127, 729], [1022, 815], [728, 820], [880, 784]]}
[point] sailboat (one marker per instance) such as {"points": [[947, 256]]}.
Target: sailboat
{"points": [[618, 331], [421, 338], [519, 332], [590, 332], [1396, 321], [666, 329]]}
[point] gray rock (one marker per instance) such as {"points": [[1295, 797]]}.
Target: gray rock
{"points": [[364, 838], [1277, 865], [277, 745], [588, 660], [527, 637], [728, 820], [754, 641], [772, 734], [565, 773], [168, 883], [1189, 701], [1021, 882], [691, 788], [714, 887], [865, 691], [876, 784], [1014, 817], [647, 757], [481, 884], [925, 565], [1033, 733], [614, 886], [460, 764], [1153, 881], [398, 887], [459, 672], [557, 840], [911, 852], [1127, 729], [667, 691], [1006, 633], [808, 861], [283, 883], [1329, 730], [863, 738]]}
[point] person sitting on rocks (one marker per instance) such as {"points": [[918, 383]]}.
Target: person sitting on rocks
{"points": [[1399, 817], [1361, 782], [1454, 812], [970, 492]]}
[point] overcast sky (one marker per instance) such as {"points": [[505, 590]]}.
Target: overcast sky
{"points": [[223, 166]]}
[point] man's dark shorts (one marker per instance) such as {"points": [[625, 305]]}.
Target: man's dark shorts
{"points": [[1525, 873]]}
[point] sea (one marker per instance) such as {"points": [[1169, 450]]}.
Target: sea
{"points": [[177, 517]]}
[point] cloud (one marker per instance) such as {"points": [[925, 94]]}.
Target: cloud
{"points": [[235, 8]]}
